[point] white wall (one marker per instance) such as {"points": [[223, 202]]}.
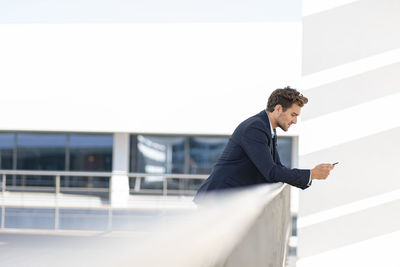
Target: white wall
{"points": [[143, 77], [351, 62], [132, 11]]}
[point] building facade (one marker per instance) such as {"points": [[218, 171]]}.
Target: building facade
{"points": [[147, 91]]}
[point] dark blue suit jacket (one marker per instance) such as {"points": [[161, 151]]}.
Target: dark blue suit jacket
{"points": [[251, 158]]}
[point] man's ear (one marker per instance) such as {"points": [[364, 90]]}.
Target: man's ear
{"points": [[278, 108]]}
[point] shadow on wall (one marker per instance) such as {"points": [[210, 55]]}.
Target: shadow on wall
{"points": [[359, 200], [349, 33]]}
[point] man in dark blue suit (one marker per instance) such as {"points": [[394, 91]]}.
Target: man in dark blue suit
{"points": [[251, 156]]}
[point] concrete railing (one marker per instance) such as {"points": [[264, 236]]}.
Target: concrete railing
{"points": [[247, 227]]}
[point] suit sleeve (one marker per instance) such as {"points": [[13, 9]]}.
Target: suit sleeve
{"points": [[280, 164], [254, 143]]}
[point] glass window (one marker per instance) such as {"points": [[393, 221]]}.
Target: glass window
{"points": [[41, 151], [158, 154], [204, 153], [284, 145], [90, 152], [180, 154], [6, 150]]}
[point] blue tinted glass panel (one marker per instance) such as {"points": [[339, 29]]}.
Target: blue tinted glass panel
{"points": [[6, 150], [91, 140], [285, 151], [204, 153], [91, 152], [158, 154], [31, 218], [41, 151]]}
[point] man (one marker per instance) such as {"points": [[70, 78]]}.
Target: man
{"points": [[251, 156]]}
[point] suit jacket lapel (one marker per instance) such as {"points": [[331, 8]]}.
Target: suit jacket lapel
{"points": [[272, 146]]}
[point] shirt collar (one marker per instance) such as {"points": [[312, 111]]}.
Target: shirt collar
{"points": [[270, 125]]}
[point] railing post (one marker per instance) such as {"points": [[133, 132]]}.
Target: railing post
{"points": [[165, 185], [109, 226], [138, 181], [181, 186], [3, 208], [57, 211], [58, 185]]}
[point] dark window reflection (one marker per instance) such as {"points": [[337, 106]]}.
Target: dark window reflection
{"points": [[41, 151], [6, 150], [284, 145], [204, 153], [90, 152]]}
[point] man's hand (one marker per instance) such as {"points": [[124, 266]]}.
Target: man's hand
{"points": [[321, 171]]}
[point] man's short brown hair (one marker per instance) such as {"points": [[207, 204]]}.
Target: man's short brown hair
{"points": [[285, 97]]}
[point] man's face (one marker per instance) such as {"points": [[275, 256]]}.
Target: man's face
{"points": [[289, 117]]}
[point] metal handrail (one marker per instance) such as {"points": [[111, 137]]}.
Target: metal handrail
{"points": [[170, 175], [59, 174], [55, 173], [102, 174]]}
